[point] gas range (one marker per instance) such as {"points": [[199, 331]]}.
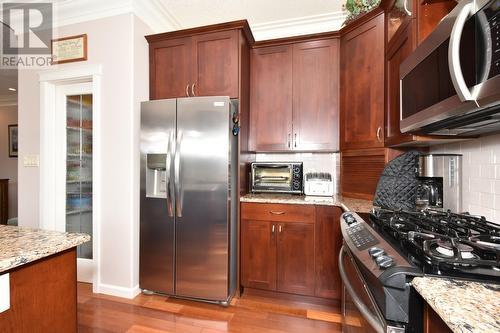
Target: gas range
{"points": [[390, 247], [443, 243]]}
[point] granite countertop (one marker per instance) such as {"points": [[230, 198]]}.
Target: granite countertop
{"points": [[463, 305], [19, 246], [348, 204]]}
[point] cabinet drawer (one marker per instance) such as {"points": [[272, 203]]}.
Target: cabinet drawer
{"points": [[278, 212]]}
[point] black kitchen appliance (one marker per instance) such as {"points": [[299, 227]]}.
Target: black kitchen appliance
{"points": [[277, 177], [383, 251]]}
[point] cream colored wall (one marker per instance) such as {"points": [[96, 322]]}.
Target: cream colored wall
{"points": [[117, 43], [8, 165]]}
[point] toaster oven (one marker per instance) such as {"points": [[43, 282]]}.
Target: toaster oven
{"points": [[277, 177]]}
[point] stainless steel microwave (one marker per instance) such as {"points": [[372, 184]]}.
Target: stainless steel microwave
{"points": [[450, 84], [277, 177]]}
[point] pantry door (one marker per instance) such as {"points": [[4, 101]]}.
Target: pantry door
{"points": [[74, 151]]}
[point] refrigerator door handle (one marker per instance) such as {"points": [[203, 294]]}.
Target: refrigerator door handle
{"points": [[170, 207], [177, 171]]}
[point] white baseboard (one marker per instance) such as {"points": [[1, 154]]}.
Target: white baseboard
{"points": [[118, 291]]}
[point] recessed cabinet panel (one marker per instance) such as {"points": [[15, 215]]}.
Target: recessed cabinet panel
{"points": [[362, 86], [316, 95], [170, 72], [296, 258], [271, 99], [258, 254], [216, 64]]}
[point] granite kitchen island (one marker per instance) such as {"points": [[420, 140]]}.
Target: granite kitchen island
{"points": [[38, 280]]}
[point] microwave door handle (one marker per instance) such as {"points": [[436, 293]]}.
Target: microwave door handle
{"points": [[363, 309], [457, 77]]}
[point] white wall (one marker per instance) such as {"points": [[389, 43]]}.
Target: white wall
{"points": [[8, 165], [117, 43], [481, 174]]}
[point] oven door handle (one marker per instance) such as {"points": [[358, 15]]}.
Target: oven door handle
{"points": [[363, 309], [456, 73]]}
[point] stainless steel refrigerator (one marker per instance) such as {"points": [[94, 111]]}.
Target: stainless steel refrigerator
{"points": [[188, 201]]}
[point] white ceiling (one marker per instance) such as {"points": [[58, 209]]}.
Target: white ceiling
{"points": [[191, 13]]}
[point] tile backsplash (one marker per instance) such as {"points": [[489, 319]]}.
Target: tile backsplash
{"points": [[319, 162], [481, 174]]}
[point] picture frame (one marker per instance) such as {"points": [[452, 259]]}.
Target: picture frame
{"points": [[13, 141], [69, 49]]}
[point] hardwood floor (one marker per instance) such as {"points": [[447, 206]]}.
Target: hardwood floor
{"points": [[252, 313]]}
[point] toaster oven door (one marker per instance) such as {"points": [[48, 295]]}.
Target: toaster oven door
{"points": [[272, 178]]}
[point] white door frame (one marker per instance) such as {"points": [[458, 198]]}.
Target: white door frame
{"points": [[50, 196]]}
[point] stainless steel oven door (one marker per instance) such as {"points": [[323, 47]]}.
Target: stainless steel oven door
{"points": [[360, 313]]}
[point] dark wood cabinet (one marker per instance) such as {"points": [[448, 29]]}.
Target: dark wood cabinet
{"points": [[362, 86], [295, 264], [400, 48], [271, 98], [316, 95], [216, 64], [328, 241], [258, 254], [205, 61], [170, 68], [433, 323], [294, 96], [291, 248]]}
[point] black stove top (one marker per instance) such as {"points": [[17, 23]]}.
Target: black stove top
{"points": [[443, 243]]}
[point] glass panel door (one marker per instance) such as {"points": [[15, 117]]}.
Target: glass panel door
{"points": [[79, 168]]}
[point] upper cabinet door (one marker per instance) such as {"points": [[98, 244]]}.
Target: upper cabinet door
{"points": [[362, 86], [315, 95], [215, 64], [170, 68], [271, 99]]}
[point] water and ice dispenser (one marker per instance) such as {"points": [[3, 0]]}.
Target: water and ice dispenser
{"points": [[156, 176]]}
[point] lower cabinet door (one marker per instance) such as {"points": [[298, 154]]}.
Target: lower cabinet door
{"points": [[296, 258], [258, 254]]}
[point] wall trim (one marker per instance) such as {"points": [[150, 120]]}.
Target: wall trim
{"points": [[49, 80], [118, 291]]}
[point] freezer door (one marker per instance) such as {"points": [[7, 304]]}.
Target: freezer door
{"points": [[202, 192], [157, 228]]}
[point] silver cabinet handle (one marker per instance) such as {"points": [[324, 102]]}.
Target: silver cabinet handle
{"points": [[170, 207], [177, 172], [192, 89], [365, 312], [280, 228], [276, 213], [379, 132], [273, 228], [289, 139], [456, 73], [295, 140], [187, 90]]}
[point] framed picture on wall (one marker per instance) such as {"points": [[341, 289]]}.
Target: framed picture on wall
{"points": [[13, 141]]}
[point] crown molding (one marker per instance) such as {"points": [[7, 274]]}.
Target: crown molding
{"points": [[299, 26], [156, 15]]}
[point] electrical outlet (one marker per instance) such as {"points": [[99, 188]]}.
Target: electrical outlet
{"points": [[4, 292], [31, 160]]}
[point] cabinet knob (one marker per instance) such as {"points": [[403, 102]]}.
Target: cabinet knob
{"points": [[289, 139], [187, 90], [295, 140], [192, 89], [277, 213], [280, 228], [273, 228]]}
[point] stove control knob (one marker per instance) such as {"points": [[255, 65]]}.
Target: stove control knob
{"points": [[384, 262], [349, 218], [375, 252]]}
